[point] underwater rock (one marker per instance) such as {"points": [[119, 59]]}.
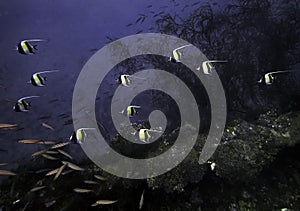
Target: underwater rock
{"points": [[246, 150], [247, 147]]}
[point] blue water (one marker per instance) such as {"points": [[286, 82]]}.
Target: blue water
{"points": [[74, 31]]}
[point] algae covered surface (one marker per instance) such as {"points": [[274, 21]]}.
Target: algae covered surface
{"points": [[257, 168]]}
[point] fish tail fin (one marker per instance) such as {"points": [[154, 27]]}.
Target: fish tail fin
{"points": [[35, 47]]}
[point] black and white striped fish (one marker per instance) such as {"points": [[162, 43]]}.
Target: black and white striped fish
{"points": [[38, 80], [26, 48], [22, 105]]}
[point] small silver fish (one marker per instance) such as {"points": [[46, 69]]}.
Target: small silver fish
{"points": [[46, 142], [29, 141], [65, 154], [142, 200], [48, 204], [100, 177], [6, 126], [59, 145], [82, 190], [7, 172], [39, 152], [52, 172], [52, 152], [37, 188], [67, 172], [16, 201], [49, 157], [90, 182], [47, 126], [73, 166], [104, 202], [59, 171]]}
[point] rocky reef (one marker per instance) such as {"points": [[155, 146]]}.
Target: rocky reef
{"points": [[256, 167]]}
